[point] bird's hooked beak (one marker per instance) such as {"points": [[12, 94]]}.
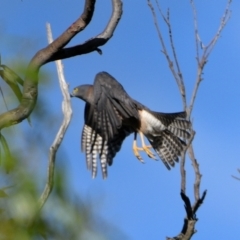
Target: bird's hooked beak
{"points": [[74, 92]]}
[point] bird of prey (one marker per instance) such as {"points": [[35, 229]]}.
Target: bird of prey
{"points": [[111, 115]]}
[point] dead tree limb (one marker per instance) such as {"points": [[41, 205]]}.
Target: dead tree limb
{"points": [[67, 114], [190, 220]]}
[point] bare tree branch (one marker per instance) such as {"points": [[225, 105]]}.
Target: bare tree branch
{"points": [[180, 77], [197, 38], [226, 16], [67, 114], [197, 173], [182, 163], [30, 90], [190, 220], [206, 49], [176, 72], [179, 80]]}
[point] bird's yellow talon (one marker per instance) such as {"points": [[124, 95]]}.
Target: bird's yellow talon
{"points": [[136, 153], [147, 150]]}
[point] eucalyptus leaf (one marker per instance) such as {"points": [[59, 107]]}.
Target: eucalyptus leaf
{"points": [[8, 163], [12, 79]]}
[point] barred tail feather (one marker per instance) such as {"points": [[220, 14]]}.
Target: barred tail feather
{"points": [[94, 161], [103, 159], [181, 123], [86, 145], [168, 146], [94, 146], [175, 122], [179, 132]]}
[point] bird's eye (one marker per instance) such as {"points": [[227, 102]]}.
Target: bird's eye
{"points": [[75, 90]]}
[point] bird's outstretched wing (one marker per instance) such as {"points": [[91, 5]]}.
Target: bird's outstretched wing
{"points": [[112, 106], [94, 146]]}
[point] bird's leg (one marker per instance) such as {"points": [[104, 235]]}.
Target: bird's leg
{"points": [[146, 148], [136, 148]]}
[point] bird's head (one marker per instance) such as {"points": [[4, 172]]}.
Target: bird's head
{"points": [[83, 92]]}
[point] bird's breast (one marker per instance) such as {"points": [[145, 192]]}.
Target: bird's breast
{"points": [[149, 123]]}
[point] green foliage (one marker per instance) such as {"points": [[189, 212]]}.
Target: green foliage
{"points": [[8, 163], [64, 216], [12, 79], [61, 218]]}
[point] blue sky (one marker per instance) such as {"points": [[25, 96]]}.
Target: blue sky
{"points": [[142, 200]]}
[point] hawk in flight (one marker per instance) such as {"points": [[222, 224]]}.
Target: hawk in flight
{"points": [[111, 115]]}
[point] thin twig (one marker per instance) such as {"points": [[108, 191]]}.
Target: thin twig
{"points": [[226, 16], [172, 44], [164, 51], [179, 79], [197, 38], [180, 76], [206, 49], [160, 10], [160, 36], [237, 177], [176, 73]]}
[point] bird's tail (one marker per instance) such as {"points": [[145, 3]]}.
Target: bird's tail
{"points": [[170, 142]]}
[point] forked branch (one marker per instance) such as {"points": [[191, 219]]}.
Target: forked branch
{"points": [[190, 220], [205, 49]]}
